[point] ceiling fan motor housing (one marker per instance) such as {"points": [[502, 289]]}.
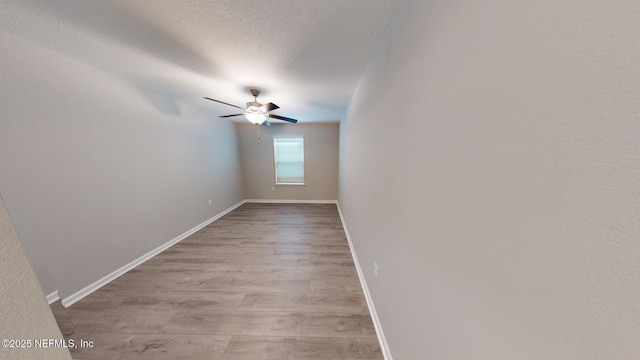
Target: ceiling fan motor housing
{"points": [[254, 106]]}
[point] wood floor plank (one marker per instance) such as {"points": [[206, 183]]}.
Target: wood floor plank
{"points": [[334, 284], [266, 281], [118, 320], [301, 348], [107, 346], [258, 284], [165, 299], [235, 323], [341, 303], [336, 325]]}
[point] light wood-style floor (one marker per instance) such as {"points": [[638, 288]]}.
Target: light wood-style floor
{"points": [[266, 281]]}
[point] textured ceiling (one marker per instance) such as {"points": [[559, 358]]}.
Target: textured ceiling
{"points": [[305, 55]]}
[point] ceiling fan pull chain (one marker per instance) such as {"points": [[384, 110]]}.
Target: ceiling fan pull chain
{"points": [[258, 132]]}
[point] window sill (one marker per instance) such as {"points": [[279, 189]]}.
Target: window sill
{"points": [[294, 184]]}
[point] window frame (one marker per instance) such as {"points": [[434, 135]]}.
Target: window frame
{"points": [[275, 161]]}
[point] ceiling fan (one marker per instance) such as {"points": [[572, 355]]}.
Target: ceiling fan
{"points": [[256, 112]]}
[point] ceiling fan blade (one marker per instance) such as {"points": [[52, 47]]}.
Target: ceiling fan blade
{"points": [[266, 123], [268, 107], [283, 118], [225, 116], [222, 102]]}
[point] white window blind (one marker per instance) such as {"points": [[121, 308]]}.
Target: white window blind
{"points": [[289, 160]]}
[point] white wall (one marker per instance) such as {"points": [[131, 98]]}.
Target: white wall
{"points": [[490, 165], [95, 173], [25, 314], [321, 161]]}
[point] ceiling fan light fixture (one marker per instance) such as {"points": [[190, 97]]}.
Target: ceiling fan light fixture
{"points": [[256, 117]]}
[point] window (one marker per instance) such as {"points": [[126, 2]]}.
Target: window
{"points": [[288, 154]]}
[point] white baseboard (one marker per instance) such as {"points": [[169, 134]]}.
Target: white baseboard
{"points": [[286, 201], [78, 295], [372, 309], [53, 297]]}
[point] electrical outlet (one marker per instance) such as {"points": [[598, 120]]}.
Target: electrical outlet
{"points": [[375, 270], [210, 202]]}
